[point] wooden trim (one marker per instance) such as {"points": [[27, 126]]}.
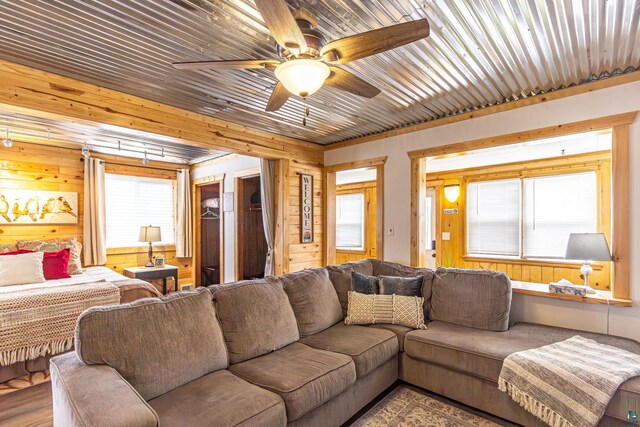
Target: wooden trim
{"points": [[281, 244], [215, 161], [238, 197], [330, 216], [380, 211], [590, 125], [209, 180], [529, 262], [356, 164], [247, 173], [418, 189], [511, 105], [142, 249], [621, 222], [542, 290], [49, 96], [356, 186]]}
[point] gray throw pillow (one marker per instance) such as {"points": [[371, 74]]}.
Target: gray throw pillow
{"points": [[406, 286], [364, 284]]}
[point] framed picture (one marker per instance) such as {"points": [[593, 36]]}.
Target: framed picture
{"points": [[158, 261], [20, 207], [306, 208]]}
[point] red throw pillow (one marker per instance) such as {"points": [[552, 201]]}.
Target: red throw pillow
{"points": [[18, 252], [56, 264]]}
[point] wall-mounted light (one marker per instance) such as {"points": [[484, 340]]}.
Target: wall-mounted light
{"points": [[85, 151], [145, 161], [452, 192], [7, 142]]}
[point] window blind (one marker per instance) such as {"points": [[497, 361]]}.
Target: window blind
{"points": [[132, 202], [554, 207], [493, 217], [350, 221]]}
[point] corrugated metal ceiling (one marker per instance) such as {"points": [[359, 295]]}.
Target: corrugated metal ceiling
{"points": [[480, 52]]}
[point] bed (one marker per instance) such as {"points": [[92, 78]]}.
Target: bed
{"points": [[124, 288]]}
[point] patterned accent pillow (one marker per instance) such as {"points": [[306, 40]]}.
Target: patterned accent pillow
{"points": [[370, 309], [407, 286], [8, 247], [364, 284], [53, 245]]}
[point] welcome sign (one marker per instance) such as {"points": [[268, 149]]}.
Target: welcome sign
{"points": [[306, 208]]}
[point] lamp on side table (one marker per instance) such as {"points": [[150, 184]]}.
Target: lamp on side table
{"points": [[149, 234], [588, 247]]}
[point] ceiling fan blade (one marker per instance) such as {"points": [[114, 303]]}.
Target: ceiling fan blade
{"points": [[278, 97], [344, 80], [225, 65], [282, 24], [372, 42]]}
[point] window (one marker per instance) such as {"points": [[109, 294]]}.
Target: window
{"points": [[350, 221], [552, 208], [493, 217], [132, 202]]}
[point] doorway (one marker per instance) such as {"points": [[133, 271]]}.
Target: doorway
{"points": [[208, 221], [251, 244]]}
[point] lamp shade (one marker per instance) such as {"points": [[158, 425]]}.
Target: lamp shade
{"points": [[588, 247], [302, 77], [452, 192], [149, 233]]}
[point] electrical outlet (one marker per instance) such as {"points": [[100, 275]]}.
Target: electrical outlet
{"points": [[390, 230], [446, 235]]}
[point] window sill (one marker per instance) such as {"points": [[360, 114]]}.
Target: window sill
{"points": [[542, 290], [143, 249], [351, 251], [533, 262]]}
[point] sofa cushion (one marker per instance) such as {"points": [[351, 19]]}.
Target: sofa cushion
{"points": [[220, 398], [340, 276], [386, 268], [481, 353], [406, 286], [313, 299], [475, 298], [399, 330], [304, 377], [256, 317], [364, 284], [147, 342], [369, 309], [369, 348]]}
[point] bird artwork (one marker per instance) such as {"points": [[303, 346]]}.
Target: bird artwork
{"points": [[16, 211], [65, 207], [48, 208], [4, 208], [32, 208]]}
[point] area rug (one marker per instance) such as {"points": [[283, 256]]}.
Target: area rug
{"points": [[407, 407], [23, 382]]}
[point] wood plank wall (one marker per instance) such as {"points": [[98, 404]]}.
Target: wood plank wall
{"points": [[305, 255], [29, 166]]}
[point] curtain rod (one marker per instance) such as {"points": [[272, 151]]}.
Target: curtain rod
{"points": [[104, 162]]}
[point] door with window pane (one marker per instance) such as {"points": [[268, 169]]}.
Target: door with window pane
{"points": [[355, 222]]}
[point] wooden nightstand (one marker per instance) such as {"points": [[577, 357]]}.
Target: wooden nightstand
{"points": [[154, 273]]}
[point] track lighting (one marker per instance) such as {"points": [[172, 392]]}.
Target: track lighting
{"points": [[85, 151], [145, 161], [7, 142]]}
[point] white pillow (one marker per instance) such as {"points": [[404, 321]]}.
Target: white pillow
{"points": [[21, 269]]}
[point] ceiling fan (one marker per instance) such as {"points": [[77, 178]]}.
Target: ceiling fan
{"points": [[308, 59]]}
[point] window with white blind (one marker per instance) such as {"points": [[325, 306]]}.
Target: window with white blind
{"points": [[132, 202], [350, 221], [554, 207], [493, 217]]}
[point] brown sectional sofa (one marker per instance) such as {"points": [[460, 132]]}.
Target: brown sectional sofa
{"points": [[275, 351]]}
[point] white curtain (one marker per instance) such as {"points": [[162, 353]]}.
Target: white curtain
{"points": [[184, 230], [267, 184], [94, 229]]}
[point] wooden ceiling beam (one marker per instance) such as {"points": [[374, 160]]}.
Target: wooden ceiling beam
{"points": [[46, 95]]}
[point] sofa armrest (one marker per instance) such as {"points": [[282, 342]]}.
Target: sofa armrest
{"points": [[95, 395]]}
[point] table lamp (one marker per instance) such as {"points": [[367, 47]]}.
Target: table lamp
{"points": [[588, 247], [149, 234]]}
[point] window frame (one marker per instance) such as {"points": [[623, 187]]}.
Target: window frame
{"points": [[363, 247]]}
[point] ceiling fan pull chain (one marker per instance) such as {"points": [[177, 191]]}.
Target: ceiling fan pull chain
{"points": [[306, 111]]}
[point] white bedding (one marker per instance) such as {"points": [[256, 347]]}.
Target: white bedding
{"points": [[90, 274]]}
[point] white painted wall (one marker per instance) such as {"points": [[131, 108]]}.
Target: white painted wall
{"points": [[615, 100], [229, 167]]}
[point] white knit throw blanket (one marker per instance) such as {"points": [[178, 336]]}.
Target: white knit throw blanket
{"points": [[569, 383], [37, 322]]}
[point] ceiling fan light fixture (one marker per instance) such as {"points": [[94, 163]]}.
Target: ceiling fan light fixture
{"points": [[302, 77]]}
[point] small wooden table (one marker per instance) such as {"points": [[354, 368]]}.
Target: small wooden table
{"points": [[154, 273]]}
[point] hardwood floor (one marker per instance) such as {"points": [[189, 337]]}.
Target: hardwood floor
{"points": [[30, 407]]}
